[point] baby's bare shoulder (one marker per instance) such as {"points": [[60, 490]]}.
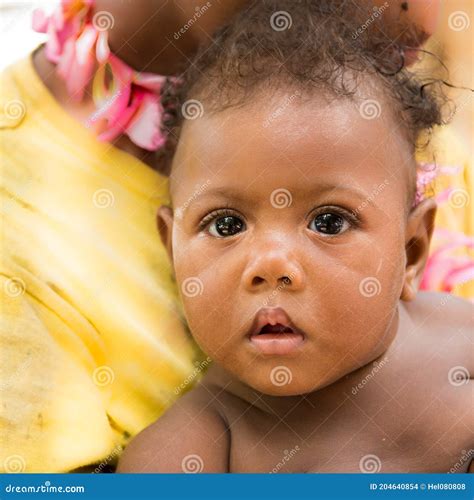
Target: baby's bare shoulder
{"points": [[442, 306], [427, 373], [191, 436], [441, 314], [435, 354], [439, 329]]}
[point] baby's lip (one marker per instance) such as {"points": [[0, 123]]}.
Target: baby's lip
{"points": [[274, 334], [273, 319]]}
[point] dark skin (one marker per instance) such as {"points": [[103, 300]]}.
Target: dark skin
{"points": [[143, 36], [408, 414]]}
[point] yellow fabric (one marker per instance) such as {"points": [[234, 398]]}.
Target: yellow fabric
{"points": [[455, 212], [93, 345]]}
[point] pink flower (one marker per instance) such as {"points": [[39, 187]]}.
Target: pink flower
{"points": [[128, 104], [144, 127], [77, 62], [426, 174], [446, 267]]}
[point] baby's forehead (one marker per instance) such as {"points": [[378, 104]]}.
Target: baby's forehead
{"points": [[296, 140]]}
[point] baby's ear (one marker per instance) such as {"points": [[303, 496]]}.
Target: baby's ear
{"points": [[164, 222], [417, 245]]}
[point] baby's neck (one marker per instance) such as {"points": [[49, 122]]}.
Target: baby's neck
{"points": [[282, 405]]}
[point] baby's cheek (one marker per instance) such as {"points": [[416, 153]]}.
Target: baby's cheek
{"points": [[354, 300], [207, 300]]}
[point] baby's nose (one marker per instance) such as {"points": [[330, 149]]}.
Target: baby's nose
{"points": [[273, 269]]}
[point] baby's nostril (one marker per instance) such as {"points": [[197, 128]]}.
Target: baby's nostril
{"points": [[257, 280]]}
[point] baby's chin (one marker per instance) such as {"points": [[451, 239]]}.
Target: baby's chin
{"points": [[281, 381]]}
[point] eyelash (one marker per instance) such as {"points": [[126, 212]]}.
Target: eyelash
{"points": [[353, 220], [221, 212], [350, 216]]}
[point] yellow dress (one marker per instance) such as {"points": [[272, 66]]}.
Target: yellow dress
{"points": [[93, 344]]}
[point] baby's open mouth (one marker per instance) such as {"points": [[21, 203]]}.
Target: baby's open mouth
{"points": [[278, 328], [274, 334]]}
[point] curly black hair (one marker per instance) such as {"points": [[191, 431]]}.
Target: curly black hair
{"points": [[324, 44]]}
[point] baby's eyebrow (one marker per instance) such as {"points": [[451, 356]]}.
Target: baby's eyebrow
{"points": [[350, 189], [230, 194], [244, 197]]}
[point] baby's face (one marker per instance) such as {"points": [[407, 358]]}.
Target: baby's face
{"points": [[292, 215]]}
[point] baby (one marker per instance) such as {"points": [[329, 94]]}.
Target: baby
{"points": [[298, 243]]}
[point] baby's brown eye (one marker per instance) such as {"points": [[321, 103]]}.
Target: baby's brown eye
{"points": [[226, 226], [329, 223]]}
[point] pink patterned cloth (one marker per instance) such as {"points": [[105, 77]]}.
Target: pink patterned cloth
{"points": [[128, 102], [446, 267]]}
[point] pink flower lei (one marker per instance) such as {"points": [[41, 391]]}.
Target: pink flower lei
{"points": [[127, 101]]}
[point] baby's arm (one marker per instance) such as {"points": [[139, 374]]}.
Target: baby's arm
{"points": [[190, 437]]}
